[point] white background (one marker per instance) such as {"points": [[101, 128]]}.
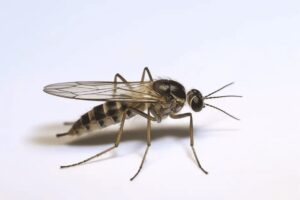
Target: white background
{"points": [[203, 44]]}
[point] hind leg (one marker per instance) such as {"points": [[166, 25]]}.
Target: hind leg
{"points": [[118, 138], [117, 142]]}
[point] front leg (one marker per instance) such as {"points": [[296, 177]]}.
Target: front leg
{"points": [[191, 131]]}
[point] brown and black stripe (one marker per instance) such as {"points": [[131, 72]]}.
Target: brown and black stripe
{"points": [[104, 115]]}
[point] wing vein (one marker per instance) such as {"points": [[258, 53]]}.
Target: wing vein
{"points": [[105, 91]]}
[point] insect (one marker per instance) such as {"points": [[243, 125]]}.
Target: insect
{"points": [[153, 99]]}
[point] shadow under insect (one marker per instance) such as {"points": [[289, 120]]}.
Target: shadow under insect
{"points": [[45, 135], [108, 136]]}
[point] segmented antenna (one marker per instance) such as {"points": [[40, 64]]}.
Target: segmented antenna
{"points": [[223, 111], [218, 90], [223, 96]]}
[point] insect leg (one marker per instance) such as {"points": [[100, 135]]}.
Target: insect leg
{"points": [[146, 70], [107, 150], [115, 80], [179, 116], [148, 145], [122, 79], [141, 113]]}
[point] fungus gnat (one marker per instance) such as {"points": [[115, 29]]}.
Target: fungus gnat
{"points": [[154, 100]]}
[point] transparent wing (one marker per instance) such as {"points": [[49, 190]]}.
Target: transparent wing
{"points": [[105, 91]]}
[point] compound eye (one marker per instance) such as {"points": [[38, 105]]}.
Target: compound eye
{"points": [[195, 100], [196, 104]]}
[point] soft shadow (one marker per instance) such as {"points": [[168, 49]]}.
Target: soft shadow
{"points": [[45, 134]]}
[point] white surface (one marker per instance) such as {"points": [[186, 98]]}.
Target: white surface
{"points": [[202, 44]]}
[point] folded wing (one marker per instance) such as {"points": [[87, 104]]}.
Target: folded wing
{"points": [[105, 91]]}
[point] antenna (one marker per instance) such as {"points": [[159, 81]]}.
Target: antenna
{"points": [[218, 90], [222, 111], [215, 97]]}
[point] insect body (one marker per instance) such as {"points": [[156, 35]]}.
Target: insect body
{"points": [[154, 100], [102, 116]]}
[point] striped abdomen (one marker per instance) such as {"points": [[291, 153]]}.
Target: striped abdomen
{"points": [[103, 115]]}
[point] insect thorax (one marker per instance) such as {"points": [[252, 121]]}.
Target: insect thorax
{"points": [[173, 97]]}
